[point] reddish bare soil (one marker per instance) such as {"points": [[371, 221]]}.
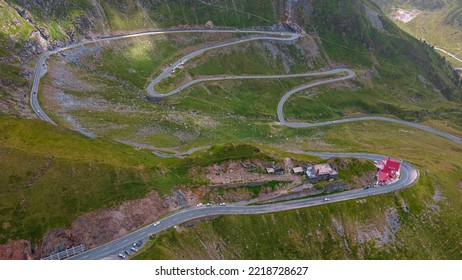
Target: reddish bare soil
{"points": [[16, 250], [99, 227], [237, 172]]}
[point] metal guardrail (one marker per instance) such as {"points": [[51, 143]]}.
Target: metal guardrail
{"points": [[66, 253]]}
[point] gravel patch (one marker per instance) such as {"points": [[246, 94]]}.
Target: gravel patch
{"points": [[438, 196], [338, 227], [149, 130], [374, 19], [381, 236], [78, 127], [404, 206]]}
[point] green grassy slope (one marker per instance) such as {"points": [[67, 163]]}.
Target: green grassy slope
{"points": [[423, 222], [396, 55], [14, 32], [68, 18], [397, 76], [51, 175], [130, 15], [67, 175], [58, 20], [439, 24]]}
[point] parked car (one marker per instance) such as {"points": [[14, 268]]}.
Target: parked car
{"points": [[199, 204], [209, 204], [222, 204], [134, 249], [326, 199], [122, 256]]}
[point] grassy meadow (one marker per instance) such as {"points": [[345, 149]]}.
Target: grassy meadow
{"points": [[408, 224], [52, 175]]}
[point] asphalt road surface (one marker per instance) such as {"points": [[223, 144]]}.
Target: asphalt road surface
{"points": [[110, 250], [41, 69], [448, 53]]}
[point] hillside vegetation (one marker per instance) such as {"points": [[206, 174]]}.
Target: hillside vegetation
{"points": [[53, 175], [31, 26], [422, 222], [438, 22], [397, 76]]}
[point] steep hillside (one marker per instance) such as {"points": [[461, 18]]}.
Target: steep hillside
{"points": [[55, 179], [419, 4], [47, 24], [29, 27], [438, 22], [60, 189], [397, 76], [50, 176], [422, 222]]}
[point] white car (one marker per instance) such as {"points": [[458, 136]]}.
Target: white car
{"points": [[222, 204], [156, 224], [326, 199], [122, 256], [199, 204]]}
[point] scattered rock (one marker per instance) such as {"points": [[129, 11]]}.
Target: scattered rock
{"points": [[209, 24], [381, 234], [361, 201], [16, 250], [438, 196], [102, 226], [338, 227], [374, 19], [423, 80], [404, 206]]}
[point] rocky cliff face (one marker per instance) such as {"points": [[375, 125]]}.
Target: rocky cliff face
{"points": [[16, 250], [28, 29], [94, 228]]}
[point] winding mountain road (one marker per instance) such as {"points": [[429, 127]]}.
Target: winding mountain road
{"points": [[450, 54], [41, 69], [110, 250], [349, 75]]}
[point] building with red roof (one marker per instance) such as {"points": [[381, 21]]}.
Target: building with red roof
{"points": [[388, 171]]}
